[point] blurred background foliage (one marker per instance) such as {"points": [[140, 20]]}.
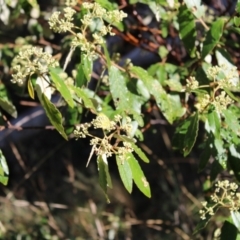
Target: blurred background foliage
{"points": [[51, 194]]}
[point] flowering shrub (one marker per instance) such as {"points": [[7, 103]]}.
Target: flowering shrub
{"points": [[200, 90]]}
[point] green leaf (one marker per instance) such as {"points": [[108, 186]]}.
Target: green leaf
{"points": [[223, 57], [139, 152], [236, 219], [4, 163], [231, 95], [164, 28], [221, 151], [106, 4], [191, 134], [213, 37], [236, 21], [231, 120], [163, 51], [139, 135], [159, 71], [234, 161], [108, 177], [87, 65], [4, 180], [186, 134], [228, 230], [124, 138], [137, 117], [187, 29], [170, 105], [207, 185], [72, 117], [201, 75], [102, 174], [81, 80], [61, 86], [33, 3], [204, 157], [118, 88], [215, 170], [125, 173], [106, 53], [8, 107], [174, 85], [235, 29], [3, 169], [30, 89], [95, 99], [142, 90], [124, 100], [156, 9], [53, 114], [213, 123], [173, 108], [238, 6], [81, 94], [202, 224], [138, 175]]}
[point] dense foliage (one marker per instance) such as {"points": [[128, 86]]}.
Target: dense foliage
{"points": [[71, 63]]}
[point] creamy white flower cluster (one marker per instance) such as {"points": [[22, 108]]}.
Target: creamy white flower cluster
{"points": [[94, 13], [220, 102], [225, 195], [192, 83], [62, 22], [203, 102], [31, 60], [113, 142], [223, 77]]}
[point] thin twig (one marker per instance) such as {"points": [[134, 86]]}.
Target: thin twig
{"points": [[203, 23], [35, 168], [181, 233], [98, 223], [190, 196], [18, 156], [20, 128], [51, 221]]}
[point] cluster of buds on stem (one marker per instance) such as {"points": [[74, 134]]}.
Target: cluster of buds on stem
{"points": [[29, 61], [94, 18], [192, 83], [225, 196], [220, 77], [32, 60], [224, 76], [117, 135]]}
